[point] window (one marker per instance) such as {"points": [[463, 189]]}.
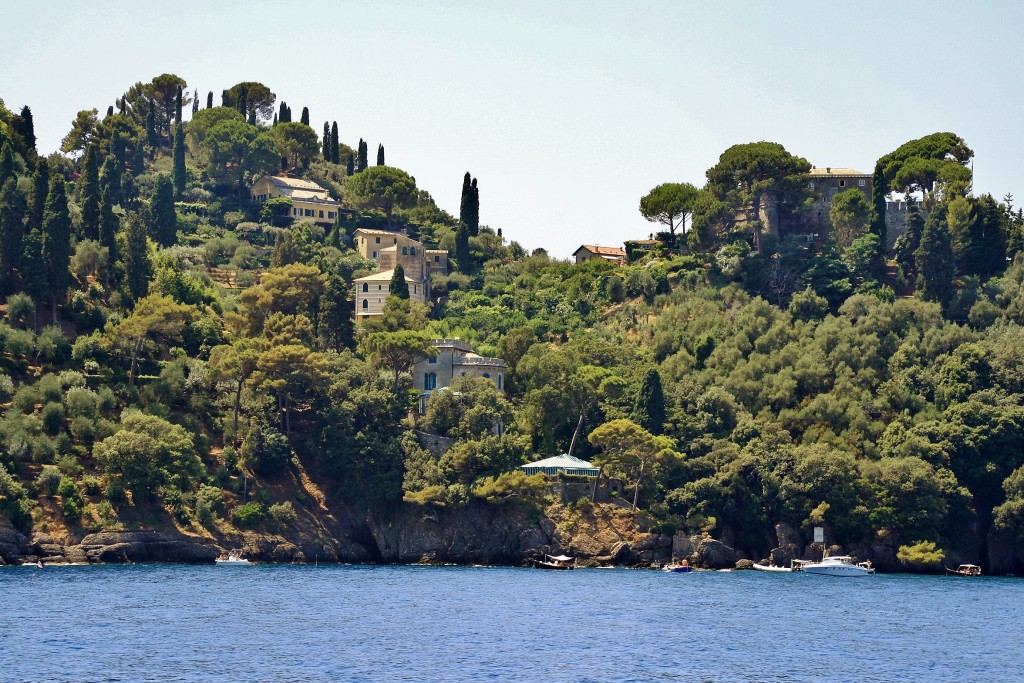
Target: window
{"points": [[487, 375], [432, 360], [366, 304], [379, 287], [437, 259], [321, 214], [429, 381], [330, 214], [415, 289], [366, 287], [811, 184], [396, 240], [378, 240], [376, 254], [405, 251], [860, 183], [499, 380], [310, 213], [842, 183], [412, 250]]}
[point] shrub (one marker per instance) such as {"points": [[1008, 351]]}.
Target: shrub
{"points": [[921, 556], [14, 500], [93, 485], [53, 418], [266, 449], [52, 346], [283, 513], [49, 480], [68, 465], [209, 502], [24, 400], [50, 390], [6, 388], [250, 515], [20, 308], [83, 429]]}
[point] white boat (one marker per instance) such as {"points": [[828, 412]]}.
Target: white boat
{"points": [[771, 568], [838, 565], [233, 559]]}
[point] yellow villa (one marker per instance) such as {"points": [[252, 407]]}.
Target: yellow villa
{"points": [[309, 200]]}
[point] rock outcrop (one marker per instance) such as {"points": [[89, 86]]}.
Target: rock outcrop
{"points": [[142, 546]]}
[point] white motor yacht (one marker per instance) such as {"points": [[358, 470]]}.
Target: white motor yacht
{"points": [[233, 559], [838, 565]]}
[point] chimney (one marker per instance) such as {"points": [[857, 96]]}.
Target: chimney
{"points": [[828, 169]]}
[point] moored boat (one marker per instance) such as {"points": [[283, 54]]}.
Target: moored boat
{"points": [[555, 562], [838, 565], [771, 568], [680, 568], [964, 570], [234, 558]]}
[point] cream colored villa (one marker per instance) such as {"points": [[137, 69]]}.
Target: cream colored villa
{"points": [[372, 293], [309, 200]]}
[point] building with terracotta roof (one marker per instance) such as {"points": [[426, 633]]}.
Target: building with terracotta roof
{"points": [[309, 200], [593, 252], [455, 358]]}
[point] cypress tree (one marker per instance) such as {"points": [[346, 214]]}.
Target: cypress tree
{"points": [[165, 220], [110, 175], [289, 114], [350, 165], [179, 161], [335, 146], [242, 103], [326, 144], [224, 98], [304, 119], [361, 162], [380, 155], [177, 105], [25, 127], [110, 110], [108, 225], [252, 117], [136, 263], [910, 240], [282, 115], [56, 236], [399, 287], [40, 189], [151, 135], [139, 158], [33, 269], [209, 100], [8, 164], [12, 230], [128, 192], [90, 193], [878, 193], [284, 250], [462, 257], [649, 407], [195, 102], [474, 209], [934, 259], [464, 202], [275, 120]]}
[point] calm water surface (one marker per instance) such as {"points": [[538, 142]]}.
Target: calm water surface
{"points": [[271, 623]]}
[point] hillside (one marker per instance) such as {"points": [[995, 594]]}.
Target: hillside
{"points": [[183, 360]]}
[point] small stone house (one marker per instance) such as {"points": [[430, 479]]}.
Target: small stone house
{"points": [[309, 200], [455, 358], [593, 252]]}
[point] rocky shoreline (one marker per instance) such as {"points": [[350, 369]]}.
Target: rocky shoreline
{"points": [[490, 535]]}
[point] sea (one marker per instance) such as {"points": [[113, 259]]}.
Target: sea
{"points": [[467, 624]]}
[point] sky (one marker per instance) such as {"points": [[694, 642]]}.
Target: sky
{"points": [[567, 113]]}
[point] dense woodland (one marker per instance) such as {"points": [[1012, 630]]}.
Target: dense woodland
{"points": [[170, 348]]}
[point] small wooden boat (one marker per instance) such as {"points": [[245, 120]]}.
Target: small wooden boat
{"points": [[964, 570], [681, 568], [555, 562]]}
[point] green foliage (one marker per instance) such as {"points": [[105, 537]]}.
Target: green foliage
{"points": [[921, 556], [382, 187], [250, 515], [283, 513]]}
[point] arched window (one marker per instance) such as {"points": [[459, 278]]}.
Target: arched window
{"points": [[366, 304], [366, 287], [487, 375], [429, 381], [412, 250], [499, 380], [405, 251]]}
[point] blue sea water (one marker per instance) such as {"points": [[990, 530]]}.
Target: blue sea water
{"points": [[467, 624]]}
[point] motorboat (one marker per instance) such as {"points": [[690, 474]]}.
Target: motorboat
{"points": [[681, 568], [555, 562], [838, 565], [964, 570], [233, 559]]}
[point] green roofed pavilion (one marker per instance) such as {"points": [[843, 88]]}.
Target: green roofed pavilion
{"points": [[562, 463]]}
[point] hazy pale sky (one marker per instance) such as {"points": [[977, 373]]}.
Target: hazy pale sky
{"points": [[568, 112]]}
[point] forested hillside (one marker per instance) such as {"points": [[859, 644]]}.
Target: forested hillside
{"points": [[175, 353]]}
